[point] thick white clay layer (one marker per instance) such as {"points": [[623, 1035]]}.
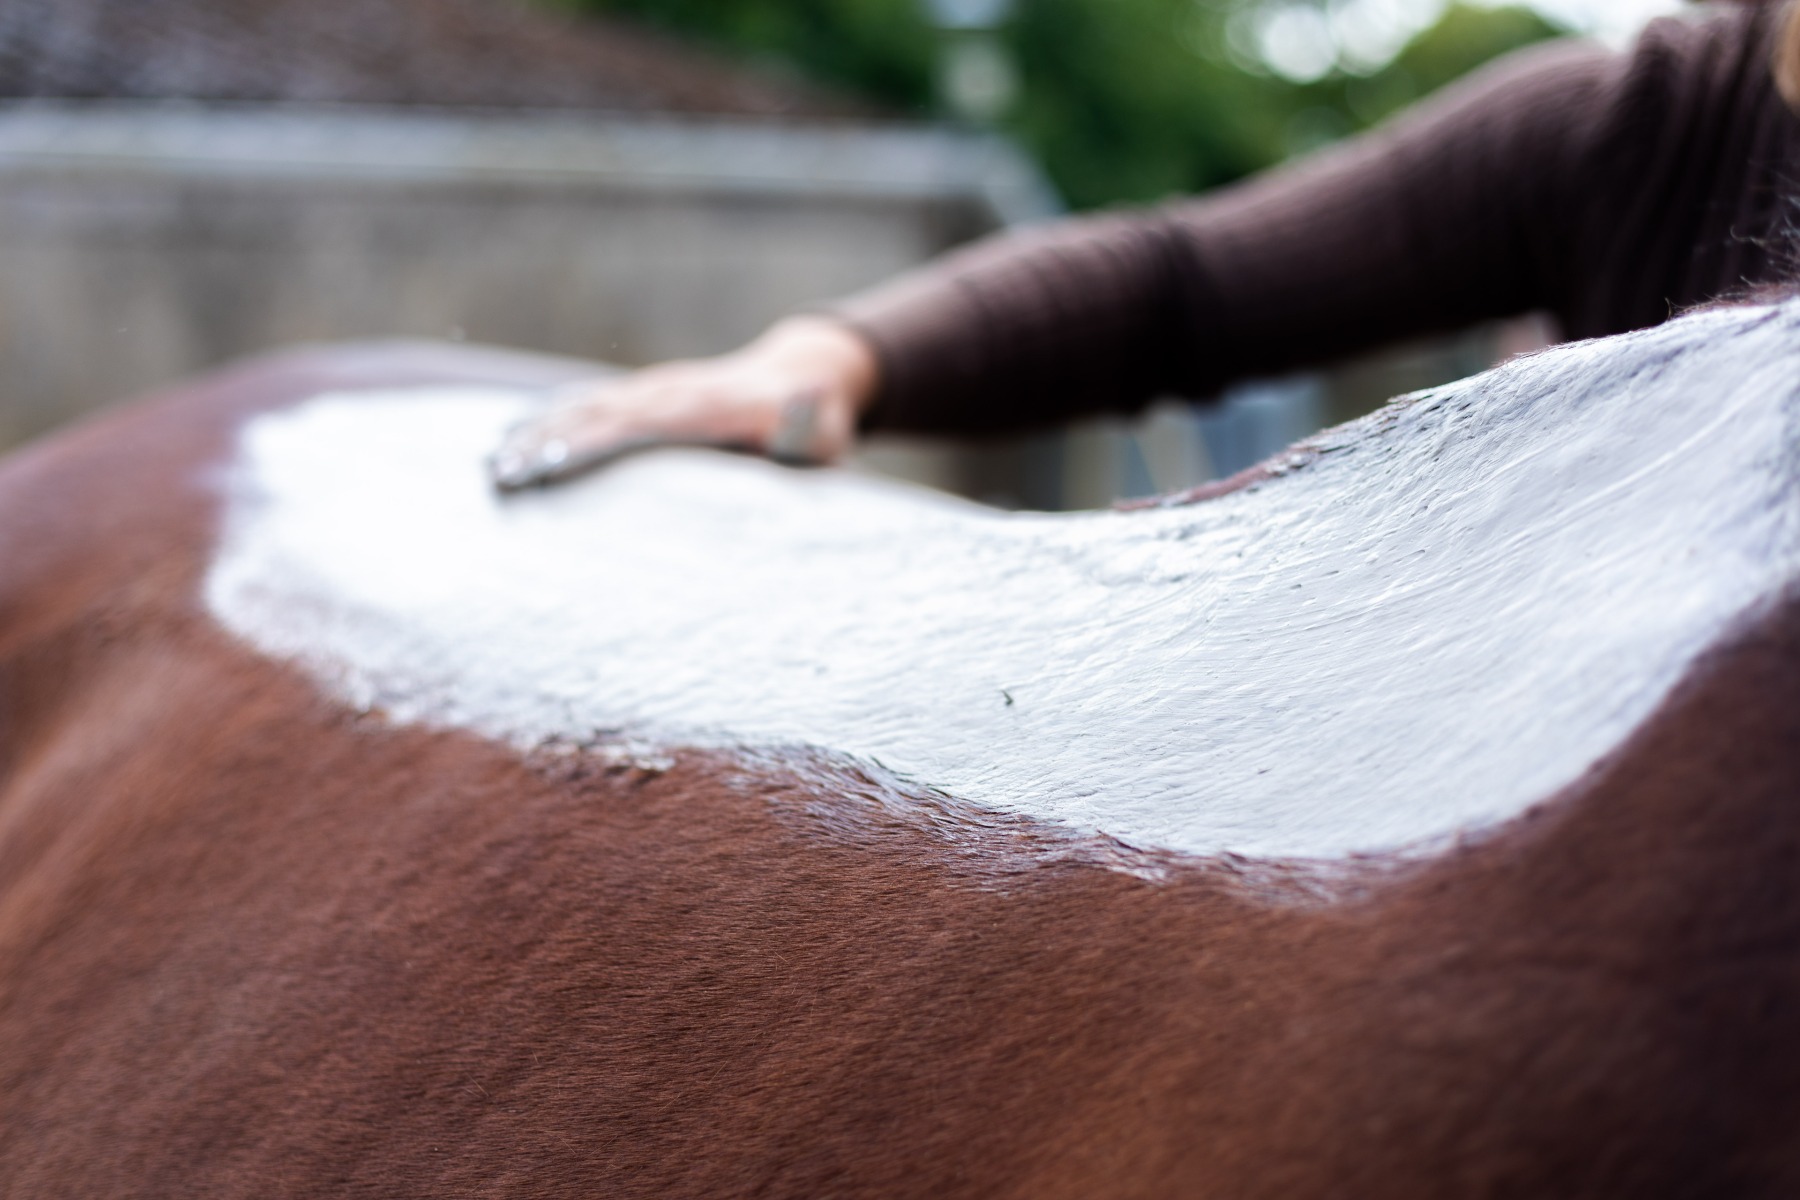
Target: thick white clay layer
{"points": [[1451, 613]]}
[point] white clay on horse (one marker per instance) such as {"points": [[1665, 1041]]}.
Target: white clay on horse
{"points": [[1455, 610]]}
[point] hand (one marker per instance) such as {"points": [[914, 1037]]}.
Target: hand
{"points": [[794, 393]]}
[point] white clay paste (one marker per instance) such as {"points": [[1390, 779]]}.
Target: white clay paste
{"points": [[1448, 615]]}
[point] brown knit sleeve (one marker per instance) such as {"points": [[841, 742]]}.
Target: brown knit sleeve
{"points": [[1460, 210]]}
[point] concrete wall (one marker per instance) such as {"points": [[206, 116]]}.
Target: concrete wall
{"points": [[143, 243]]}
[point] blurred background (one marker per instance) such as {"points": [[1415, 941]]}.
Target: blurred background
{"points": [[183, 182]]}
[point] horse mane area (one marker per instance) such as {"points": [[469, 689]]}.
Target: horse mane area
{"points": [[306, 888]]}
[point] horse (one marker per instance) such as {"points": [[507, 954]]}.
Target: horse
{"points": [[1412, 816]]}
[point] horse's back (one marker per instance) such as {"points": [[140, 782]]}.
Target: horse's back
{"points": [[255, 938]]}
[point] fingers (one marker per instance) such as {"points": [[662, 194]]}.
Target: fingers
{"points": [[529, 457], [591, 425], [536, 452], [794, 394], [582, 429]]}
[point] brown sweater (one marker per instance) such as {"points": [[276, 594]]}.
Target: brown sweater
{"points": [[1608, 189]]}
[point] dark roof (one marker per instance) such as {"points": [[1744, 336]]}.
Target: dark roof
{"points": [[482, 53]]}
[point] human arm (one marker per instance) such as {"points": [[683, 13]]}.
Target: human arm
{"points": [[1607, 188]]}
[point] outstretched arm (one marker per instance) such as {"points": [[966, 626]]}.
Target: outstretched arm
{"points": [[1480, 203]]}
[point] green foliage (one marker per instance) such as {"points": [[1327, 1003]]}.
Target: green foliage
{"points": [[1467, 37], [1462, 40], [883, 49], [1119, 100]]}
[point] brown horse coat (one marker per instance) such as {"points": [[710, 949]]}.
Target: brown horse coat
{"points": [[256, 942]]}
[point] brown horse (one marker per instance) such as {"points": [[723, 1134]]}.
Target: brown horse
{"points": [[344, 851]]}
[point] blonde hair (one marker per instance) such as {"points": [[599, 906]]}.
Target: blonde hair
{"points": [[1787, 56]]}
